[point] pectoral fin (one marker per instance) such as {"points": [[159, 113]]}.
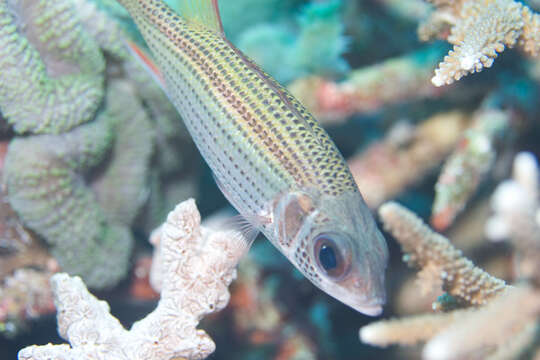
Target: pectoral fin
{"points": [[247, 225]]}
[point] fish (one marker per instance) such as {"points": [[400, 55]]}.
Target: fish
{"points": [[269, 156]]}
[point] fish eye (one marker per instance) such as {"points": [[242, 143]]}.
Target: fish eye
{"points": [[329, 255]]}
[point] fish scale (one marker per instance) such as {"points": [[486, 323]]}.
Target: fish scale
{"points": [[284, 145], [272, 160]]}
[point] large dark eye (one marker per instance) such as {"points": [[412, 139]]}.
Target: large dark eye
{"points": [[330, 256]]}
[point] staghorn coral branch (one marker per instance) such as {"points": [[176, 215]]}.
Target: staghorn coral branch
{"points": [[504, 324], [426, 248], [519, 345], [516, 207], [467, 165], [479, 332], [476, 333], [368, 89], [530, 39], [480, 29], [410, 330], [407, 153], [197, 266], [51, 70]]}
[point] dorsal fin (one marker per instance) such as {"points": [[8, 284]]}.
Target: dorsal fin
{"points": [[202, 12]]}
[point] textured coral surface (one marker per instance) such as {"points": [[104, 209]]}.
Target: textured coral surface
{"points": [[196, 266]]}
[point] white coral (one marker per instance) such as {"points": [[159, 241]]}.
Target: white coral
{"points": [[480, 29], [483, 31], [197, 266]]}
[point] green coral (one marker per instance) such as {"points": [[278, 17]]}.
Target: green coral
{"points": [[51, 69], [102, 28], [81, 184], [252, 13], [313, 45], [321, 41], [121, 187], [86, 223], [172, 136], [43, 174]]}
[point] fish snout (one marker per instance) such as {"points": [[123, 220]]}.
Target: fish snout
{"points": [[373, 294]]}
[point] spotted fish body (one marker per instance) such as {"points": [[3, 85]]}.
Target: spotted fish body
{"points": [[270, 157]]}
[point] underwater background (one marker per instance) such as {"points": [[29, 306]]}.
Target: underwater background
{"points": [[434, 104]]}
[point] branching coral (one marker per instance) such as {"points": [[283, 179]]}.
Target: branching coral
{"points": [[197, 266], [502, 329], [368, 89], [51, 69], [438, 258], [504, 313], [466, 167], [480, 29], [516, 216], [387, 167]]}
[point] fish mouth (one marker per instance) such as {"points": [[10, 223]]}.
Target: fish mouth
{"points": [[370, 310]]}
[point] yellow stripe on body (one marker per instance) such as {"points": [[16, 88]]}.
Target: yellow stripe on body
{"points": [[256, 137]]}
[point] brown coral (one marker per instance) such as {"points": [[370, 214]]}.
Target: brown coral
{"points": [[467, 165], [502, 329], [387, 167], [480, 29], [435, 254], [500, 322], [368, 89]]}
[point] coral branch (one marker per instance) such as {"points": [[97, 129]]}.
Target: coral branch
{"points": [[51, 70], [516, 208], [466, 167], [480, 29], [409, 331], [479, 331], [197, 266], [430, 250], [464, 334], [368, 89], [407, 153], [500, 323]]}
